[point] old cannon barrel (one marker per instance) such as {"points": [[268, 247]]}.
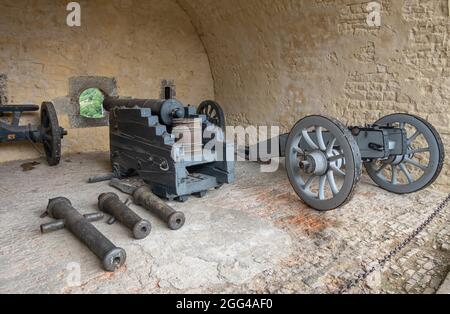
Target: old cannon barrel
{"points": [[112, 205], [111, 256], [165, 109], [144, 197]]}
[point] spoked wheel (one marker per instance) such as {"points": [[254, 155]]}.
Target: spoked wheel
{"points": [[213, 112], [422, 164], [323, 162], [51, 133]]}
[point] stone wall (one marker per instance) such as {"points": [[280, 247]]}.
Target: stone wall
{"points": [[3, 89], [274, 62], [139, 43]]}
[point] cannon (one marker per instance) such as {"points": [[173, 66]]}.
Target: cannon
{"points": [[147, 140], [324, 159], [80, 226], [49, 133], [111, 204]]}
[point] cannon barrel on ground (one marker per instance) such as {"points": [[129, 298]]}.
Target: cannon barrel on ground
{"points": [[143, 196], [111, 204], [61, 209]]}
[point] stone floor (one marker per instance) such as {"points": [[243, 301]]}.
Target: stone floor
{"points": [[252, 236]]}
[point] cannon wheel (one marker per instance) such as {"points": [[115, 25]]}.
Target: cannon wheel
{"points": [[50, 133], [213, 112], [420, 167], [323, 162]]}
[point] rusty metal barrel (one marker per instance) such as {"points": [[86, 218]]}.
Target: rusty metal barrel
{"points": [[165, 109], [111, 204], [144, 197], [111, 256]]}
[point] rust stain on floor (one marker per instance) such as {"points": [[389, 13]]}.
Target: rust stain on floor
{"points": [[312, 224], [29, 166]]}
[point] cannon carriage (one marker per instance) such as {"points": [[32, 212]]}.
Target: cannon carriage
{"points": [[324, 159], [49, 133], [401, 153]]}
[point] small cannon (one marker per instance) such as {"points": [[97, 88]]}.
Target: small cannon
{"points": [[401, 153], [49, 133], [67, 217], [111, 204]]}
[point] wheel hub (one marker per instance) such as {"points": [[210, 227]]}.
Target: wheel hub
{"points": [[315, 163]]}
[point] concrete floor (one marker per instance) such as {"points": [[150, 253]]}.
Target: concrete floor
{"points": [[252, 236]]}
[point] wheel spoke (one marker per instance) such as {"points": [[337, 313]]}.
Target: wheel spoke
{"points": [[322, 181], [299, 150], [47, 146], [419, 150], [382, 168], [407, 174], [309, 183], [309, 140], [416, 164], [394, 179], [338, 171], [414, 137], [332, 182], [331, 147], [320, 140], [336, 158]]}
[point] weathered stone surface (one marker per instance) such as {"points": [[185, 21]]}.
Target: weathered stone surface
{"points": [[3, 89], [252, 236]]}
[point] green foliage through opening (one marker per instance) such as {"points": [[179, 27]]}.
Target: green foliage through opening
{"points": [[91, 103]]}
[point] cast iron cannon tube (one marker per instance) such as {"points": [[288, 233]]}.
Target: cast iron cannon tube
{"points": [[165, 109], [144, 197], [112, 205], [111, 256]]}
